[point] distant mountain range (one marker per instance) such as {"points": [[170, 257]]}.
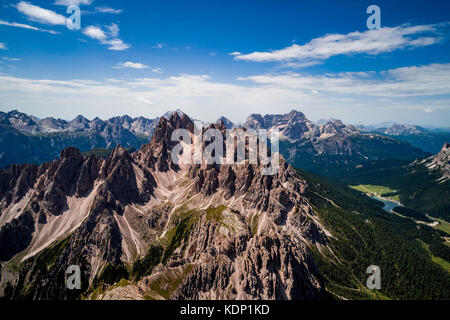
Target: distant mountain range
{"points": [[107, 128], [426, 139], [331, 147], [27, 139]]}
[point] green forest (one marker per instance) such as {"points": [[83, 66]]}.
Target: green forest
{"points": [[364, 234]]}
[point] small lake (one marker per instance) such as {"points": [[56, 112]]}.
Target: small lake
{"points": [[388, 205]]}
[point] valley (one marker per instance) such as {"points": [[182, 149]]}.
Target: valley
{"points": [[362, 232], [381, 192], [391, 204]]}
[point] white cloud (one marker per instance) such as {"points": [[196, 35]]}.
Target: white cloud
{"points": [[116, 45], [158, 46], [359, 96], [433, 79], [136, 65], [296, 65], [94, 33], [2, 46], [11, 59], [25, 26], [129, 64], [113, 29], [73, 2], [105, 9], [429, 110], [110, 38], [41, 15], [371, 42], [140, 99]]}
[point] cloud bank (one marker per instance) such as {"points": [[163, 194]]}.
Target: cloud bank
{"points": [[398, 93], [372, 42]]}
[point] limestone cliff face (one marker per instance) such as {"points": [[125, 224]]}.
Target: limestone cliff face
{"points": [[329, 147], [441, 162], [174, 231]]}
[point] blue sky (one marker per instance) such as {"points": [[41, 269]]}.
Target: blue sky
{"points": [[232, 58]]}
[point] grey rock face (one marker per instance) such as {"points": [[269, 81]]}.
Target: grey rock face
{"points": [[257, 121], [330, 146], [15, 236], [227, 122], [26, 123], [402, 130], [269, 266], [27, 139], [441, 161], [295, 126]]}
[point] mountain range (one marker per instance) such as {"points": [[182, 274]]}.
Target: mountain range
{"points": [[140, 226], [319, 148], [420, 137], [27, 139], [332, 147], [34, 125]]}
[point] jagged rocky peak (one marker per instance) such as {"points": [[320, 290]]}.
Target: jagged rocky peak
{"points": [[293, 125], [166, 126], [402, 130], [441, 161], [30, 124], [336, 123], [227, 122], [51, 124], [20, 121], [71, 152], [257, 121], [169, 114], [296, 115], [337, 127], [266, 193], [79, 123]]}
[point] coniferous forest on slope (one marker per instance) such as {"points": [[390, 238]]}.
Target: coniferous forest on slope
{"points": [[364, 234]]}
